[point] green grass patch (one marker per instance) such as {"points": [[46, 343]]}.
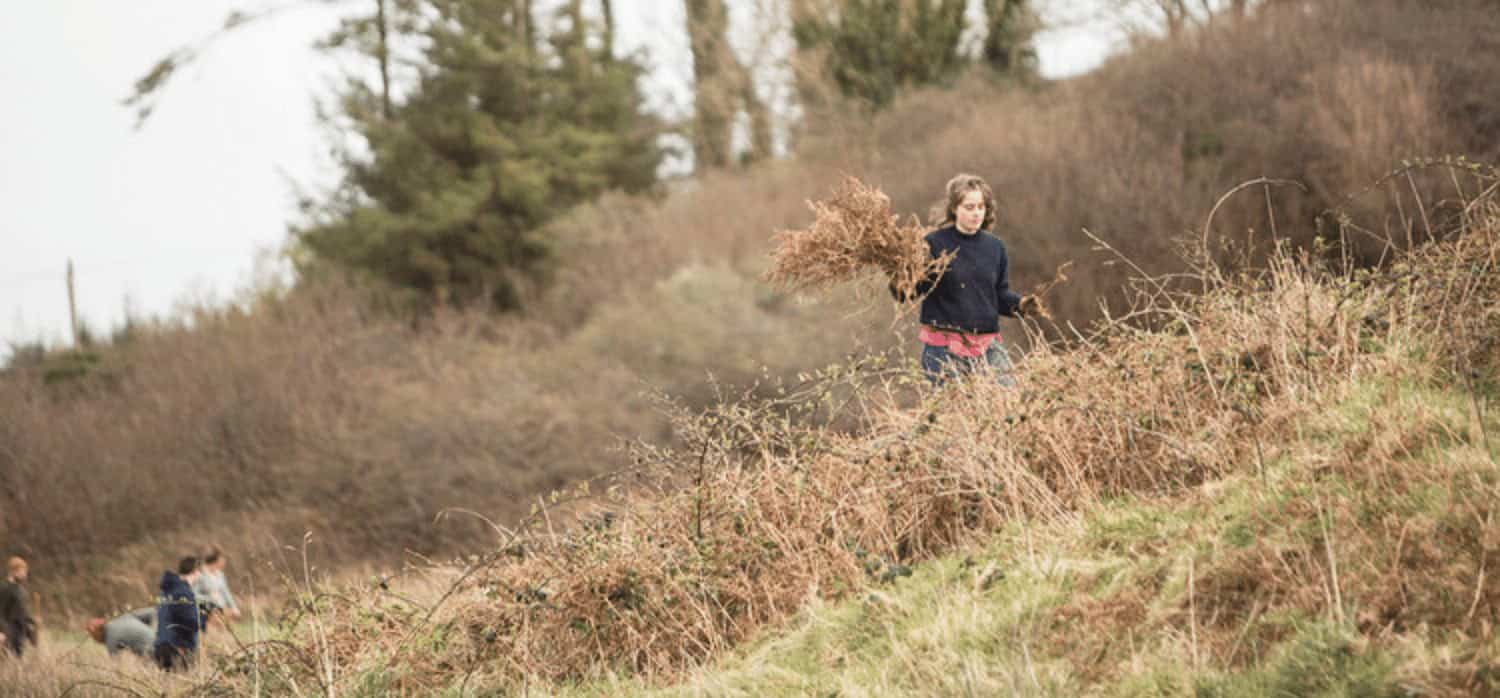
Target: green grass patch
{"points": [[1320, 660], [1014, 619]]}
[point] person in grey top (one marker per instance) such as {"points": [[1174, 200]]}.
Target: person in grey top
{"points": [[211, 586], [134, 631]]}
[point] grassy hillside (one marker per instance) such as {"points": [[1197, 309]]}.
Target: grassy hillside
{"points": [[1333, 571], [1285, 485], [314, 410], [1281, 484]]}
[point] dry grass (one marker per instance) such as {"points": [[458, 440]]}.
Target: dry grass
{"points": [[764, 504], [854, 232], [69, 663], [322, 413]]}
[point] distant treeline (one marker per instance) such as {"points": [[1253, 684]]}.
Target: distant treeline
{"points": [[474, 122]]}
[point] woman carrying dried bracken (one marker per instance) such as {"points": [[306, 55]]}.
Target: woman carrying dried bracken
{"points": [[961, 308]]}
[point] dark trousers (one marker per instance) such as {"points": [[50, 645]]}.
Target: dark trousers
{"points": [[15, 639], [171, 658]]}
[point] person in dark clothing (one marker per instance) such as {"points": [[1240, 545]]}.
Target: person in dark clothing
{"points": [[961, 308], [179, 617], [17, 626]]}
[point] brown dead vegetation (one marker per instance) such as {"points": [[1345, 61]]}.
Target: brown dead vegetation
{"points": [[762, 504], [318, 412], [854, 233]]}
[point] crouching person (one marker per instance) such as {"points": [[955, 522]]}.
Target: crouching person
{"points": [[134, 632], [179, 617]]}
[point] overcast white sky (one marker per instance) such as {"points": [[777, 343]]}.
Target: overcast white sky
{"points": [[182, 208]]}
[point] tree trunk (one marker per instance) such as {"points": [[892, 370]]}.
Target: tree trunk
{"points": [[707, 24], [998, 51], [580, 32], [1176, 13], [608, 8], [760, 118], [383, 54], [722, 87], [524, 30]]}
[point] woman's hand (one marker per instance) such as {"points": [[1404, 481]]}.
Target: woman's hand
{"points": [[1029, 306]]}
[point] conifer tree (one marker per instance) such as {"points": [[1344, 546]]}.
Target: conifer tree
{"points": [[876, 47], [504, 127], [497, 136], [1008, 46], [872, 49]]}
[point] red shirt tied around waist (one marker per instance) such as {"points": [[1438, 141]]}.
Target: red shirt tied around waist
{"points": [[969, 346], [961, 308]]}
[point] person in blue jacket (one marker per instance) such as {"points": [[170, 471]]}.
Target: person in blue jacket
{"points": [[179, 617], [961, 309]]}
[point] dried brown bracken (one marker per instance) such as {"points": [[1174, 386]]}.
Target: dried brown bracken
{"points": [[854, 232], [767, 503]]}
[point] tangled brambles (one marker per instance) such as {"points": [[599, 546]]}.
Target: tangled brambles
{"points": [[853, 232], [764, 504]]}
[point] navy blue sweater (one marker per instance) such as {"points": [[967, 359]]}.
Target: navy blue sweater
{"points": [[178, 618], [975, 291]]}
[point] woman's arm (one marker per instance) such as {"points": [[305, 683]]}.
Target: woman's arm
{"points": [[227, 597], [923, 288], [1010, 301]]}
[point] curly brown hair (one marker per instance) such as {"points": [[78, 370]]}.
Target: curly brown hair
{"points": [[960, 185]]}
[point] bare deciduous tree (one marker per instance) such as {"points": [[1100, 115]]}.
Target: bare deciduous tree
{"points": [[1173, 17]]}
